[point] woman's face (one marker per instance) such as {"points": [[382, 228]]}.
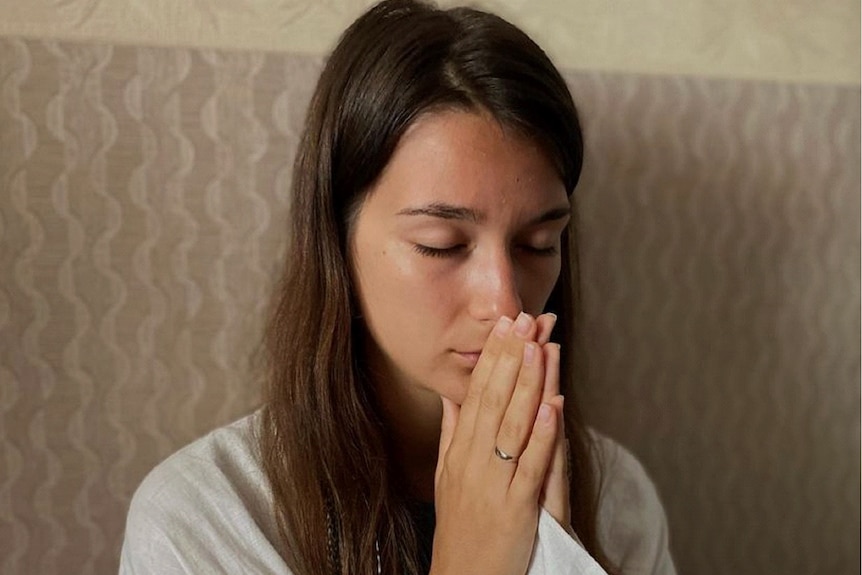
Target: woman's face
{"points": [[462, 227]]}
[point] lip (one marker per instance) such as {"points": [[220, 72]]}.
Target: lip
{"points": [[471, 358]]}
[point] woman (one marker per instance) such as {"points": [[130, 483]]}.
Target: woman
{"points": [[414, 420]]}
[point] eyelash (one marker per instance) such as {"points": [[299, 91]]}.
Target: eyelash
{"points": [[549, 251], [437, 252], [448, 252]]}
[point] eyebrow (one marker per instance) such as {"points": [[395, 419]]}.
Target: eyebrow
{"points": [[444, 211], [452, 212], [551, 215]]}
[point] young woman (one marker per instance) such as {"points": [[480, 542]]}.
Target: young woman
{"points": [[414, 419]]}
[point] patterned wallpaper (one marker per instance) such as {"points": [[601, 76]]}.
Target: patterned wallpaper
{"points": [[789, 40], [144, 193], [721, 268]]}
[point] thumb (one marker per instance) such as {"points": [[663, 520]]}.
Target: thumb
{"points": [[447, 430], [555, 491]]}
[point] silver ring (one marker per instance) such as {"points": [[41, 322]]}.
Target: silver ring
{"points": [[503, 455]]}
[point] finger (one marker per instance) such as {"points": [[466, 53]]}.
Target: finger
{"points": [[551, 353], [520, 414], [525, 327], [490, 353], [526, 484], [447, 425], [498, 389], [492, 348], [447, 430], [545, 325], [555, 491]]}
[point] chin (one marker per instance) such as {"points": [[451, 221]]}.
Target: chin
{"points": [[450, 382], [456, 394]]}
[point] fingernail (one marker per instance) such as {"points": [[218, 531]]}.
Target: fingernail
{"points": [[522, 324], [553, 317], [503, 326], [529, 353], [544, 413]]}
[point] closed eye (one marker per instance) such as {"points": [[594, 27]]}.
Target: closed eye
{"points": [[457, 249], [438, 252], [541, 251]]}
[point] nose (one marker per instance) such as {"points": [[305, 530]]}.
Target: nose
{"points": [[495, 288]]}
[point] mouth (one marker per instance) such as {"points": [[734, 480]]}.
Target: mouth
{"points": [[469, 358]]}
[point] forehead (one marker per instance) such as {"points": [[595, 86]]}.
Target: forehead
{"points": [[470, 159]]}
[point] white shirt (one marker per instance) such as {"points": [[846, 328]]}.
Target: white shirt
{"points": [[208, 509]]}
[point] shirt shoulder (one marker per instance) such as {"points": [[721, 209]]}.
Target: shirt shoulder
{"points": [[632, 525], [206, 508]]}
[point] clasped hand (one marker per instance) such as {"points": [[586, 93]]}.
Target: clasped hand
{"points": [[502, 454]]}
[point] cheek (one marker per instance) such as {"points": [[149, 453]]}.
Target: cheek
{"points": [[396, 288]]}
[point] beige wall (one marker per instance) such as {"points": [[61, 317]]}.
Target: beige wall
{"points": [[793, 40], [144, 194]]}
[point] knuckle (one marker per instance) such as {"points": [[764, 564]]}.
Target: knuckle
{"points": [[474, 393], [528, 379], [510, 359], [512, 429], [490, 401], [513, 348], [531, 473], [510, 345], [492, 347]]}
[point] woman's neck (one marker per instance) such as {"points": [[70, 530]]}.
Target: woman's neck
{"points": [[412, 414]]}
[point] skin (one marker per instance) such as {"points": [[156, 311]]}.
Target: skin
{"points": [[461, 233]]}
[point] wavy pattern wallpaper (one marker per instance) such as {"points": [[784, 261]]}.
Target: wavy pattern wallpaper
{"points": [[785, 40], [144, 192]]}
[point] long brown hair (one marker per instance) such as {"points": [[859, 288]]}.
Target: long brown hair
{"points": [[336, 492]]}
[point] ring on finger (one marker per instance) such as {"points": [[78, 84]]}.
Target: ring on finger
{"points": [[505, 456]]}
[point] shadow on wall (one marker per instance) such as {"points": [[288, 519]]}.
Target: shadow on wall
{"points": [[720, 268]]}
